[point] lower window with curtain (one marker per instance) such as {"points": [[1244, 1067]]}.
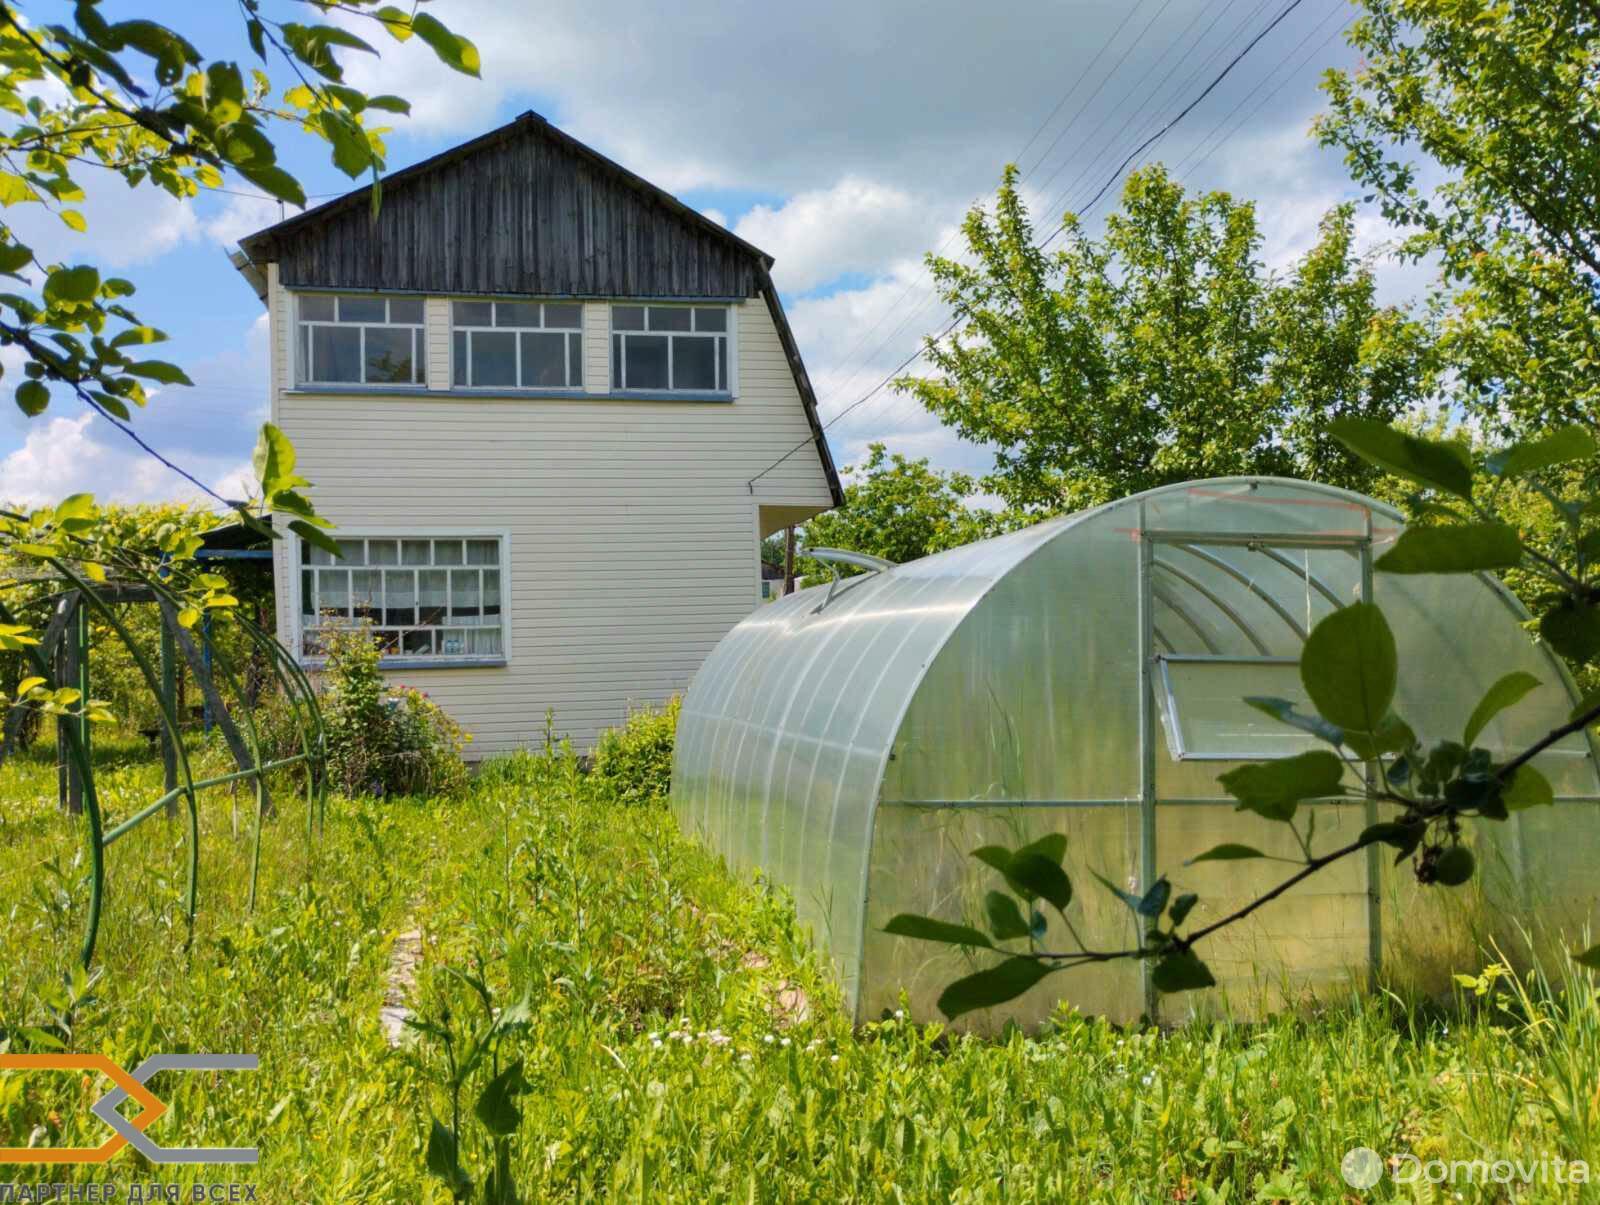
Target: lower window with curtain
{"points": [[437, 598]]}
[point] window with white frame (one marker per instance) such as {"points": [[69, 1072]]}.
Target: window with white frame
{"points": [[434, 596], [517, 344], [674, 348], [360, 340]]}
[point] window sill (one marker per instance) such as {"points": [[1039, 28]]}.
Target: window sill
{"points": [[388, 663], [519, 395]]}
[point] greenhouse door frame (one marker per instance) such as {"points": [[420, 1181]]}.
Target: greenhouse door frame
{"points": [[1150, 540]]}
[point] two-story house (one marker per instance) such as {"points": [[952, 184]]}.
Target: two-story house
{"points": [[542, 400]]}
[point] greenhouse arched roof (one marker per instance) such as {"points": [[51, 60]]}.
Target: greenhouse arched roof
{"points": [[848, 739]]}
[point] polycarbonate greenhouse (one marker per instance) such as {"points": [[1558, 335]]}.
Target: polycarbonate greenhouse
{"points": [[854, 742]]}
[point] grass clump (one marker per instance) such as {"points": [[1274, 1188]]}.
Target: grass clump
{"points": [[634, 762], [601, 1010]]}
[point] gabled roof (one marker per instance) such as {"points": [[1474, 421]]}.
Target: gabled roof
{"points": [[526, 209], [528, 121]]}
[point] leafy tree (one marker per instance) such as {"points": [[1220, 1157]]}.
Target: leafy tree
{"points": [[1426, 794], [1496, 102], [137, 100], [900, 510], [1163, 351]]}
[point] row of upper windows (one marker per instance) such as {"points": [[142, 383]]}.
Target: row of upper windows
{"points": [[371, 340]]}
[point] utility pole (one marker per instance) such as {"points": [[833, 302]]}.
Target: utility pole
{"points": [[788, 560]]}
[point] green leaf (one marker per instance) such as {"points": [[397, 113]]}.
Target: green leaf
{"points": [[1155, 900], [997, 985], [1227, 852], [1051, 845], [1394, 735], [1589, 958], [1573, 630], [925, 928], [1274, 789], [138, 334], [1127, 897], [452, 49], [72, 284], [32, 398], [1348, 667], [14, 257], [389, 104], [351, 152], [1568, 443], [497, 1103], [1181, 907], [1454, 866], [315, 537], [1442, 466], [1404, 837], [1459, 548], [396, 20], [1181, 972], [1005, 918], [444, 1159], [1039, 876], [1284, 711], [274, 180], [1528, 788], [273, 461], [77, 506], [1508, 691], [159, 370]]}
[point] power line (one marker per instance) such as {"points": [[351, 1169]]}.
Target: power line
{"points": [[1184, 112], [1084, 174], [863, 362], [916, 311], [1063, 202], [1191, 161], [1137, 151]]}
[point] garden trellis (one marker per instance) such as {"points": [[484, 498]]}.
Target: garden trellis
{"points": [[1087, 676], [63, 602]]}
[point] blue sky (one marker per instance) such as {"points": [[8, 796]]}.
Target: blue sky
{"points": [[845, 139]]}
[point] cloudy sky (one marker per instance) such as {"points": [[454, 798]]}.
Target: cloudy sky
{"points": [[846, 139]]}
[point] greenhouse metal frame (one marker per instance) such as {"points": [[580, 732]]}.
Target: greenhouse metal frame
{"points": [[854, 742]]}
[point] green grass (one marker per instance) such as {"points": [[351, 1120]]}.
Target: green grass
{"points": [[649, 1000]]}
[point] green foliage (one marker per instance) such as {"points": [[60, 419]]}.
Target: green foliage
{"points": [[80, 96], [112, 541], [899, 510], [657, 1057], [1497, 101], [635, 761], [382, 739], [1163, 351]]}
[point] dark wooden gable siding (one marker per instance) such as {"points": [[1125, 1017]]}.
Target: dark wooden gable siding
{"points": [[527, 210]]}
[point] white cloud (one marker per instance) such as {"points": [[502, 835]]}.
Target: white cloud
{"points": [[242, 216], [63, 456], [126, 226], [855, 226]]}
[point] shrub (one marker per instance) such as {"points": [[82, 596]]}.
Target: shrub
{"points": [[635, 761], [384, 740]]}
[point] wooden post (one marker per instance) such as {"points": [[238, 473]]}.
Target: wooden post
{"points": [[788, 560], [169, 694]]}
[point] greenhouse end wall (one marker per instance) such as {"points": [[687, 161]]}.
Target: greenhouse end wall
{"points": [[1085, 676]]}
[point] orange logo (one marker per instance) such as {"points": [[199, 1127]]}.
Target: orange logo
{"points": [[130, 1085], [152, 1108]]}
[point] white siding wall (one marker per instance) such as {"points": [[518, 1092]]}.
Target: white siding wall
{"points": [[632, 531]]}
